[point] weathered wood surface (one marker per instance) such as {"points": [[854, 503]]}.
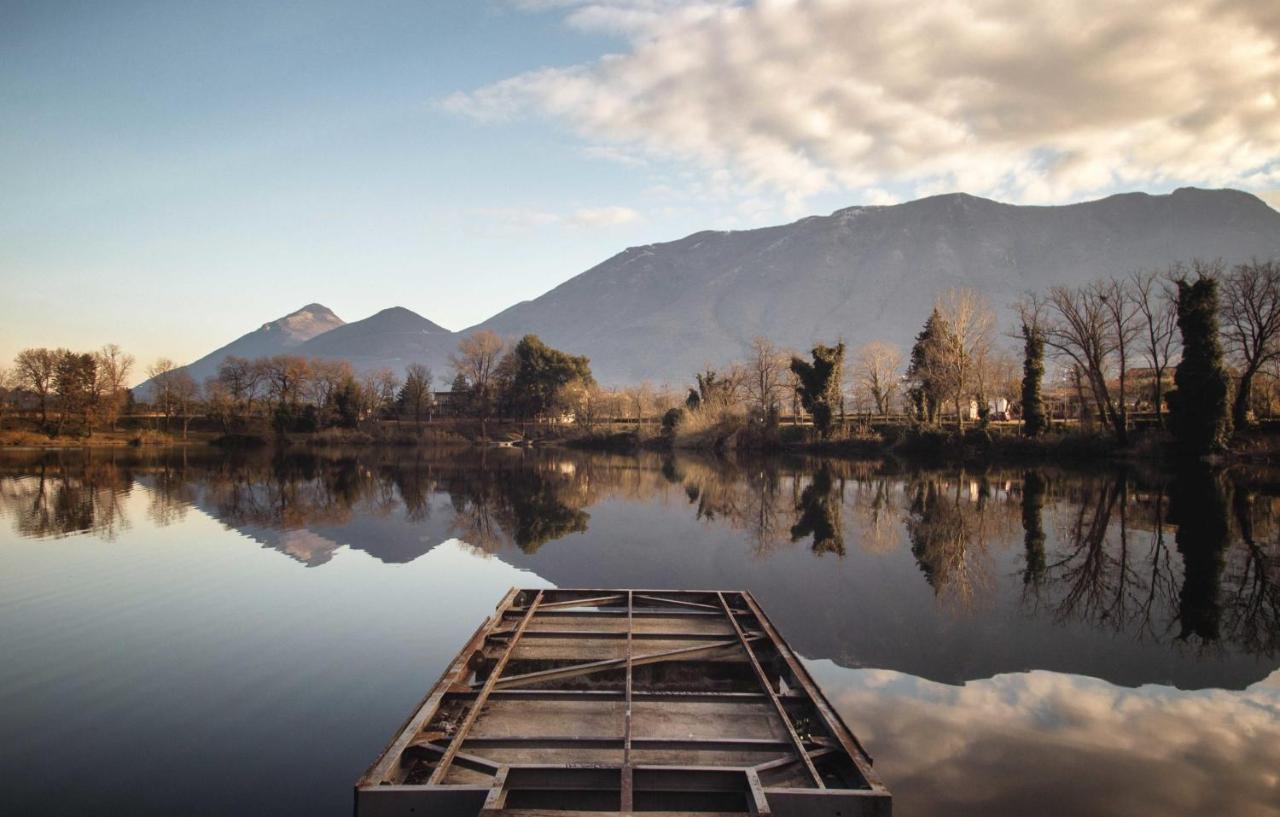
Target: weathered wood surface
{"points": [[600, 701]]}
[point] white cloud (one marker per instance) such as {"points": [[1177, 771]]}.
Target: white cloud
{"points": [[1024, 101]]}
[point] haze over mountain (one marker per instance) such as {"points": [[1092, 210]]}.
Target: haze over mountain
{"points": [[661, 311]]}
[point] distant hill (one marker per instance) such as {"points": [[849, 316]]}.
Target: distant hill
{"points": [[392, 338], [661, 311], [276, 337]]}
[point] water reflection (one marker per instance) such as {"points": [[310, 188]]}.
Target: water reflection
{"points": [[1189, 560], [1007, 641]]}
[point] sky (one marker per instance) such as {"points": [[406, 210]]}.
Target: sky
{"points": [[175, 174]]}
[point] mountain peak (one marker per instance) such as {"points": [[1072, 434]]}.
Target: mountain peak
{"points": [[303, 324]]}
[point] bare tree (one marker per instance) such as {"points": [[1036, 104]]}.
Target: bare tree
{"points": [[287, 378], [1250, 305], [477, 361], [1158, 328], [113, 376], [184, 393], [1121, 310], [766, 374], [879, 366], [966, 343], [328, 378], [160, 374], [1080, 327], [36, 370], [8, 381], [241, 378], [381, 388]]}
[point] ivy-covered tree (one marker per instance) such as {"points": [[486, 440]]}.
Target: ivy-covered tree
{"points": [[1034, 421], [819, 386], [1198, 406], [538, 373], [927, 391]]}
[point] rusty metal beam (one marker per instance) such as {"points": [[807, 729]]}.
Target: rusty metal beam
{"points": [[678, 602], [765, 684], [574, 670], [437, 775], [831, 721], [627, 798], [388, 766]]}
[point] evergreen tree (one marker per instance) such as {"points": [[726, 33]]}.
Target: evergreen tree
{"points": [[1034, 422], [926, 391], [819, 387], [1198, 406], [538, 373]]}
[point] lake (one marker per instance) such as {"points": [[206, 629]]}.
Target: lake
{"points": [[199, 633]]}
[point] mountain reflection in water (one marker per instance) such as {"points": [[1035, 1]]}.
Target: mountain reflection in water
{"points": [[896, 583]]}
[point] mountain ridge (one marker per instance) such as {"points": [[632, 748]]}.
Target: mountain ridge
{"points": [[663, 310]]}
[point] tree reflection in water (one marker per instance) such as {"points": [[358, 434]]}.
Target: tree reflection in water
{"points": [[1093, 548], [818, 514]]}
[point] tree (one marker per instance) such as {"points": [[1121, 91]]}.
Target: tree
{"points": [[328, 378], [35, 370], [160, 374], [113, 367], [1120, 308], [539, 372], [1198, 412], [7, 383], [820, 388], [1034, 422], [381, 388], [287, 378], [415, 395], [1089, 329], [925, 371], [184, 393], [766, 369], [878, 365], [963, 348], [477, 361], [241, 378], [75, 386], [1158, 316], [1250, 303]]}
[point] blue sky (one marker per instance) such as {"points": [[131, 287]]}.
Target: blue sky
{"points": [[177, 173]]}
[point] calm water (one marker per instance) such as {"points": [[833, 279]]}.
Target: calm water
{"points": [[206, 635]]}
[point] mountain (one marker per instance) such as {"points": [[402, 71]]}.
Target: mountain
{"points": [[277, 337], [662, 311], [392, 338]]}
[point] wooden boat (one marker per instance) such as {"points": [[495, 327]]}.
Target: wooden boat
{"points": [[618, 701]]}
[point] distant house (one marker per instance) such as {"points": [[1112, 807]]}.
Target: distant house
{"points": [[449, 403], [997, 409]]}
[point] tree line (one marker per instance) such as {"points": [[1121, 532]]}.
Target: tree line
{"points": [[1171, 344]]}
